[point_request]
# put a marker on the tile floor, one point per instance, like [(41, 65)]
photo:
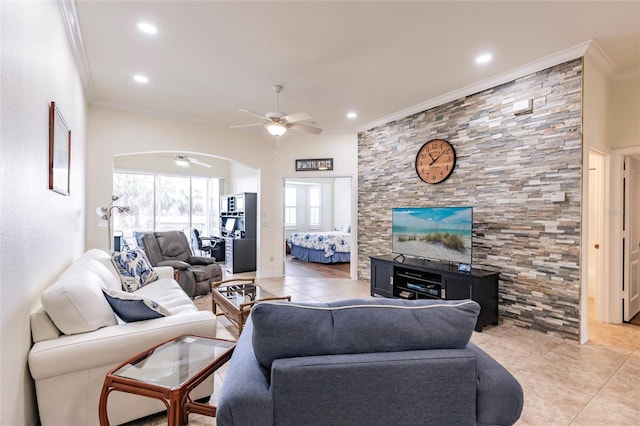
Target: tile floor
[(564, 383)]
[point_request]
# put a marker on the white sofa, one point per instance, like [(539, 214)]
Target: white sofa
[(78, 338)]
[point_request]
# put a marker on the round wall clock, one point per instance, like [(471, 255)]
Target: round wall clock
[(435, 161)]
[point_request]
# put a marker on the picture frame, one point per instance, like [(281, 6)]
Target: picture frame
[(59, 152), (314, 164)]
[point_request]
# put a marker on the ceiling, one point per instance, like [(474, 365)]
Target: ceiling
[(211, 58)]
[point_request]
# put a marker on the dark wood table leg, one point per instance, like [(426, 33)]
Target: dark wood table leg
[(103, 416)]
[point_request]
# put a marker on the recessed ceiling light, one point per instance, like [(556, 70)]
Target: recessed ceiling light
[(139, 78), (147, 28), (352, 115), (484, 58)]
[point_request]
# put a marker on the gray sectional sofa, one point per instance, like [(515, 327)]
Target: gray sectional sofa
[(365, 362)]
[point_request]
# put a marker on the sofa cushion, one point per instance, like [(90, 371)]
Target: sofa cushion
[(107, 274), (359, 326), (75, 302), (169, 294), (173, 245), (135, 269), (104, 259), (133, 307)]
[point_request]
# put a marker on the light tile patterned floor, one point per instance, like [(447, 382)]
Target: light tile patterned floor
[(564, 383)]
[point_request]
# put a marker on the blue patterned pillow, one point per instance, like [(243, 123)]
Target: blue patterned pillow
[(128, 282), (131, 307), (135, 269)]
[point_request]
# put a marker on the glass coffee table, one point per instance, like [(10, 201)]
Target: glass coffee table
[(168, 372), (236, 300)]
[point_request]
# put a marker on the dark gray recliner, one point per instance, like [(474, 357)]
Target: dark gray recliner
[(171, 248)]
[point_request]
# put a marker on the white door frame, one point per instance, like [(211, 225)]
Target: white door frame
[(600, 299), (598, 221), (613, 235), (353, 271), (631, 249)]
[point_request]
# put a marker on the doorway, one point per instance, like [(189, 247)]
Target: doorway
[(303, 214)]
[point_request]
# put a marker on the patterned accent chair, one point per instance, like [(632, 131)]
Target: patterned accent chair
[(171, 248)]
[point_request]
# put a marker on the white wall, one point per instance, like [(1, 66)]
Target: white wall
[(256, 168), (42, 231), (343, 148), (595, 120), (342, 202), (624, 108), (611, 109)]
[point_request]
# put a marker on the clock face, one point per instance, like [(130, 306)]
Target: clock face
[(435, 161)]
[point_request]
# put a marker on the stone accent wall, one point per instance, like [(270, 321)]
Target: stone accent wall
[(508, 167)]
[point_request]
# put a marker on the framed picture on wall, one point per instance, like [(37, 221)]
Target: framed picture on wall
[(59, 151)]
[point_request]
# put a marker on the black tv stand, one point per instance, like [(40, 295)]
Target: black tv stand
[(424, 279)]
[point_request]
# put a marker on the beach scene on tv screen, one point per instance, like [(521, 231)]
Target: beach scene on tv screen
[(442, 233)]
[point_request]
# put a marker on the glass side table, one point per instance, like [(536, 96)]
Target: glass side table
[(236, 300), (168, 372)]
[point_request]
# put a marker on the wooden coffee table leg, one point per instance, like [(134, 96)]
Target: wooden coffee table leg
[(174, 414), (102, 406)]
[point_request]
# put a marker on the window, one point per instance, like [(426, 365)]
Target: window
[(315, 202), (137, 192), (174, 203), (161, 202), (290, 209)]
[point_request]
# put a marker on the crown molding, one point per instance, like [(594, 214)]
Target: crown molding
[(70, 20), (566, 55), (596, 56)]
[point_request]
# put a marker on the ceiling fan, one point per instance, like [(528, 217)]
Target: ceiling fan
[(278, 122), (184, 162)]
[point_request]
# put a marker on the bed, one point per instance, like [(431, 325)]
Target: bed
[(321, 247)]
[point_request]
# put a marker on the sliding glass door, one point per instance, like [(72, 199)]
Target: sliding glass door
[(161, 202)]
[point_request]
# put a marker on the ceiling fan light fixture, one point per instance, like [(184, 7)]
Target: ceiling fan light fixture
[(276, 129), (147, 28), (181, 162)]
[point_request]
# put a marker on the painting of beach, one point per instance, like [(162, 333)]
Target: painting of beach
[(434, 233)]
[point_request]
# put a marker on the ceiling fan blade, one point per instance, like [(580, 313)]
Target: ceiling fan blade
[(305, 128), (198, 162), (299, 116), (255, 114), (247, 125)]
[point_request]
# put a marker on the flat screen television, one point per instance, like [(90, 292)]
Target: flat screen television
[(434, 233)]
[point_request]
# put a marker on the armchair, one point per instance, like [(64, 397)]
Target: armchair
[(171, 248)]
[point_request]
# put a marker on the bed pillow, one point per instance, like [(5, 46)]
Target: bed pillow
[(132, 307), (360, 326), (135, 269)]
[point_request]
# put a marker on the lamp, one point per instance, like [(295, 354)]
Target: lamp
[(105, 214), (276, 129)]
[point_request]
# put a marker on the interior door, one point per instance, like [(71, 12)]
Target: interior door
[(632, 238)]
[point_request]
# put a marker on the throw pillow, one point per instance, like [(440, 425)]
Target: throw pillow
[(135, 269), (132, 307), (359, 326), (127, 281)]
